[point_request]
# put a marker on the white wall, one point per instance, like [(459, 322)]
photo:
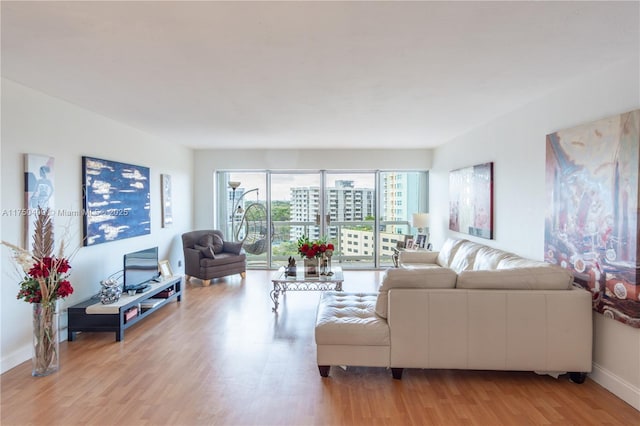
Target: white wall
[(35, 123), (207, 162), (515, 143)]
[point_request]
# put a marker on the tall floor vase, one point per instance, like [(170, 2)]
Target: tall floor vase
[(45, 358)]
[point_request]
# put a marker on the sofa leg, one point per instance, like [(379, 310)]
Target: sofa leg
[(187, 278), (397, 373), (205, 283), (243, 274), (577, 377), (324, 370)]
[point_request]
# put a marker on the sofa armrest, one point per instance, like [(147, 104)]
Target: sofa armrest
[(192, 261), (232, 247), (418, 256)]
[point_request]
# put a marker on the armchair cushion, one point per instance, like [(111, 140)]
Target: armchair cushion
[(207, 251)]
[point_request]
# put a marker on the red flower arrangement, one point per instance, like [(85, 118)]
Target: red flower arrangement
[(311, 249), (45, 274), (46, 281)]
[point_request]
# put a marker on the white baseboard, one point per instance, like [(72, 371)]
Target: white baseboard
[(15, 358), (614, 384), (23, 354)]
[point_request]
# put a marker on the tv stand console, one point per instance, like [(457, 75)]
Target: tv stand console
[(92, 315)]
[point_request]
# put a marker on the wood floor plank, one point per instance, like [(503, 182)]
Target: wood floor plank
[(221, 357)]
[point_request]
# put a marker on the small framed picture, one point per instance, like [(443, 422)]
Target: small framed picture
[(400, 244), (421, 240), (165, 269), (409, 244), (407, 237)]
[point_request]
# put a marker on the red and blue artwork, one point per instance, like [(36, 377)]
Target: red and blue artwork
[(591, 223), (116, 200)]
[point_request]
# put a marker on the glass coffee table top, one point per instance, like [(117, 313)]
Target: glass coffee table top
[(304, 282)]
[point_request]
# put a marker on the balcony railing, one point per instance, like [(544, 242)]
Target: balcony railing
[(284, 245)]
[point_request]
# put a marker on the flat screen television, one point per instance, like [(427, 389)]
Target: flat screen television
[(140, 267)]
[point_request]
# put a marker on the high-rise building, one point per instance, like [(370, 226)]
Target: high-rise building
[(345, 203)]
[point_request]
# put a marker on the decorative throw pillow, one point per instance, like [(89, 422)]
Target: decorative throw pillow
[(207, 251), (206, 240), (217, 244)]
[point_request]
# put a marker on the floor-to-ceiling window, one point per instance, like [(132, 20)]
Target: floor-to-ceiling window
[(363, 213)]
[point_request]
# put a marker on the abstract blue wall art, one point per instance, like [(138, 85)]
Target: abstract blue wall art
[(116, 200)]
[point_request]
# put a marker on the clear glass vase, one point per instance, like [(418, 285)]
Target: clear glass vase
[(45, 359), (311, 267)]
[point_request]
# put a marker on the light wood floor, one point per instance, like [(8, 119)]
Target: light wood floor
[(222, 357)]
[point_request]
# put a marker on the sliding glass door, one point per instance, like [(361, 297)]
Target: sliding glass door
[(363, 214), (349, 214), (246, 214), (295, 206)]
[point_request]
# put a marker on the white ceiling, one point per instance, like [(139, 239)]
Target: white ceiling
[(310, 74)]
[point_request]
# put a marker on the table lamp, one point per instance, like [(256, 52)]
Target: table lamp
[(421, 221)]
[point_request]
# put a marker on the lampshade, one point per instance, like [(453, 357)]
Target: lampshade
[(234, 184), (421, 220)]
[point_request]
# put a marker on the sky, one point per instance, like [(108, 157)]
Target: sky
[(281, 183)]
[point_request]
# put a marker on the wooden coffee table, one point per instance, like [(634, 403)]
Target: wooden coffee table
[(301, 282)]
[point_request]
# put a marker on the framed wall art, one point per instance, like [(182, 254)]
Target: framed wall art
[(471, 200), (116, 200), (167, 214), (39, 173), (591, 222)]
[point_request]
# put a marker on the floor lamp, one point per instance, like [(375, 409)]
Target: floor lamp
[(233, 185)]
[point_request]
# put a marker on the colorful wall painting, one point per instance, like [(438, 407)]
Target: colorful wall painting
[(591, 223)]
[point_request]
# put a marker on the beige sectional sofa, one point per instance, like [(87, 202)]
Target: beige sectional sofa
[(468, 306)]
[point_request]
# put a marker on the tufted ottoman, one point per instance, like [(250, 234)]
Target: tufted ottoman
[(348, 331)]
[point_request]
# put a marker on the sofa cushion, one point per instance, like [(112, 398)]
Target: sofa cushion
[(407, 278), (534, 278), (465, 256), (448, 251), (513, 261), (207, 251), (488, 258)]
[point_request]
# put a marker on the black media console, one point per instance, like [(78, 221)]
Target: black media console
[(92, 315)]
